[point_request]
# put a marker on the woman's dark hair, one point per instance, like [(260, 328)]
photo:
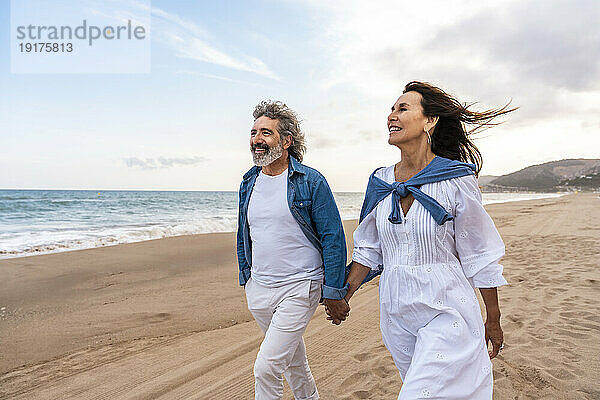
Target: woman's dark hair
[(450, 138)]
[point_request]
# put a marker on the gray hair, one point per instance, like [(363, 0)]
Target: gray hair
[(288, 124)]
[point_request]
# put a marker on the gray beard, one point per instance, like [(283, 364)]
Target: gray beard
[(269, 156)]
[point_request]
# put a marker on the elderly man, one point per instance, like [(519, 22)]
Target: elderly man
[(291, 250)]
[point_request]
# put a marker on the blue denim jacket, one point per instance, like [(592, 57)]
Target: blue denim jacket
[(313, 207)]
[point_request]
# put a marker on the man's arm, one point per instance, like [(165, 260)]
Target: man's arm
[(328, 224), (241, 254)]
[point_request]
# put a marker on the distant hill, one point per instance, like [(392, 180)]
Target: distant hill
[(582, 174), (485, 179)]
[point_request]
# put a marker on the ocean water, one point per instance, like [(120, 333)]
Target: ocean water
[(46, 221)]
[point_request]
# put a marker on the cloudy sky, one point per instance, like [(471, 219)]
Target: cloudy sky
[(340, 65)]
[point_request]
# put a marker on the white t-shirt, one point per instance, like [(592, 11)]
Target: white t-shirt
[(281, 253)]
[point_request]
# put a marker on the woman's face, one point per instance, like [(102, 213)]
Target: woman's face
[(406, 122)]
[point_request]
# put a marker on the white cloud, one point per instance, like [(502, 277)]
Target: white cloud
[(213, 76), (161, 162), (191, 41), (541, 54), (188, 39)]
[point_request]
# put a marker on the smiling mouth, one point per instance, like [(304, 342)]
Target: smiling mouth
[(259, 149), (394, 129)]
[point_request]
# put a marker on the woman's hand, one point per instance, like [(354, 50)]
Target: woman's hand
[(493, 333)]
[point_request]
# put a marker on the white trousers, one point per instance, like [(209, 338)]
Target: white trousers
[(283, 313), (433, 329)]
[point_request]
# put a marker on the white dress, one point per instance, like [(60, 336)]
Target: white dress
[(430, 317)]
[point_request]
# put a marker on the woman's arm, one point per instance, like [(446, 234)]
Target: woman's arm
[(357, 275), (368, 252), (480, 248), (493, 331)]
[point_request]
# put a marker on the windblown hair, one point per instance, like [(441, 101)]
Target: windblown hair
[(450, 138), (287, 125)]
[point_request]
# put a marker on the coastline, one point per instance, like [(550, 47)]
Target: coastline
[(166, 318), (23, 241)]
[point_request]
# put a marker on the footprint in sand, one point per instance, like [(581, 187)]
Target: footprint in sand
[(360, 394), (383, 372), (571, 333), (354, 379), (592, 392), (516, 321), (532, 376), (363, 356), (560, 374), (156, 317)]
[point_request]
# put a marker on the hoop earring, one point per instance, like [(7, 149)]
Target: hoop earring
[(428, 138)]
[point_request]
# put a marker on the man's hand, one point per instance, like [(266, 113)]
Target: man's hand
[(337, 310)]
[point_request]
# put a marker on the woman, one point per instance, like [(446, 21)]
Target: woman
[(432, 252)]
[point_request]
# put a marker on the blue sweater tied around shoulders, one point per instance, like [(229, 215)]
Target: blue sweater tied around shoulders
[(439, 169)]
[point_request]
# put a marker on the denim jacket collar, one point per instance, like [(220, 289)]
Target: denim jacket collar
[(293, 166)]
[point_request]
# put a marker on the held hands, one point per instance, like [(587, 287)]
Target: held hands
[(337, 310)]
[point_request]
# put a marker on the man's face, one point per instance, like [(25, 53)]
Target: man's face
[(265, 143)]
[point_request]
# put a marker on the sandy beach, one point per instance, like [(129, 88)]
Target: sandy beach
[(166, 319)]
